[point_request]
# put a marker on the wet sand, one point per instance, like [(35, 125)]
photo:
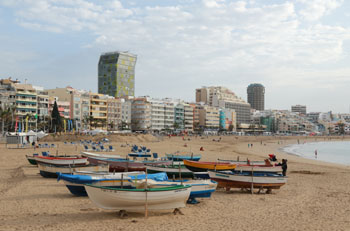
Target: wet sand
[(316, 197)]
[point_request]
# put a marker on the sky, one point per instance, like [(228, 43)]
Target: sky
[(298, 49)]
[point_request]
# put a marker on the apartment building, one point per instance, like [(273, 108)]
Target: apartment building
[(79, 104), (206, 117), (63, 107), (141, 110), (188, 117), (42, 103), (7, 93), (222, 97), (98, 110), (227, 119), (114, 113), (26, 103)]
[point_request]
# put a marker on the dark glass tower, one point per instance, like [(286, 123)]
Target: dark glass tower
[(256, 96)]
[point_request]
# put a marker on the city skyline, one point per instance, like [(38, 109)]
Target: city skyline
[(298, 50)]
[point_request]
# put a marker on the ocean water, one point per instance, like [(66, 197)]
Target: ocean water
[(334, 152)]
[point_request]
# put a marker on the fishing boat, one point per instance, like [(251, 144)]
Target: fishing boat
[(199, 188), (200, 166), (75, 183), (50, 171), (180, 157), (126, 165), (229, 179), (90, 154), (69, 160), (242, 161), (171, 170), (134, 200), (258, 166), (31, 159)]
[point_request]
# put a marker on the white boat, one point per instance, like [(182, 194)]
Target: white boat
[(247, 180), (199, 188), (69, 160), (89, 154), (258, 168), (134, 200), (50, 171)]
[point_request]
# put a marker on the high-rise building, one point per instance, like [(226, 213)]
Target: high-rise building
[(116, 74), (256, 96)]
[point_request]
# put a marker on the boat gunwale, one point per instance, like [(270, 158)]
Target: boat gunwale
[(177, 187)]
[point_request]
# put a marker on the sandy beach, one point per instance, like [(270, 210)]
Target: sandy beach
[(316, 197)]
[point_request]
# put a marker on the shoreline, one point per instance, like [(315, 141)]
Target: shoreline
[(313, 192)]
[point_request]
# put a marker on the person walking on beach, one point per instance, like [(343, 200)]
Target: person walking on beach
[(316, 154), (284, 167)]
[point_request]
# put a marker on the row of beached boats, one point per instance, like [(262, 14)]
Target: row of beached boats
[(130, 184)]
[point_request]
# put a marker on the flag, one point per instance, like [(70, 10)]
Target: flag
[(16, 125), (27, 123), (64, 125)]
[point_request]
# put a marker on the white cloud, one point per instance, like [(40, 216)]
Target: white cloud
[(204, 42), (315, 9)]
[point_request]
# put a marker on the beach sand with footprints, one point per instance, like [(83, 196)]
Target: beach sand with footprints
[(316, 196)]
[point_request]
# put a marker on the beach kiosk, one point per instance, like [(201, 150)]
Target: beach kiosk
[(21, 140)]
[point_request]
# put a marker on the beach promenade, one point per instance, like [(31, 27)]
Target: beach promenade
[(316, 196)]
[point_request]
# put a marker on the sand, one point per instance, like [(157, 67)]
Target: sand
[(316, 197)]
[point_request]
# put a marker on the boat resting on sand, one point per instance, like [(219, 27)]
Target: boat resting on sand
[(200, 166), (134, 200), (229, 179), (75, 183), (68, 160), (50, 171), (199, 188), (90, 154), (179, 157), (170, 170)]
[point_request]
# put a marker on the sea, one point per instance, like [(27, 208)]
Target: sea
[(334, 152)]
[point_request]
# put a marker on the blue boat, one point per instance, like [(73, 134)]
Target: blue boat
[(178, 157), (75, 183)]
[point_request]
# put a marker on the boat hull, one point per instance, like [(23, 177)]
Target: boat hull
[(171, 172), (50, 171), (244, 181), (31, 160), (197, 166), (125, 165), (183, 157), (79, 189), (61, 160), (134, 200)]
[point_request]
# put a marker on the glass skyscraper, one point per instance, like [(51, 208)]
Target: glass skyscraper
[(116, 74)]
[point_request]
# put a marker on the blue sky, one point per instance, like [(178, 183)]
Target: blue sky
[(298, 49)]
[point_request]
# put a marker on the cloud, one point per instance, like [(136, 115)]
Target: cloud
[(186, 44), (315, 9)]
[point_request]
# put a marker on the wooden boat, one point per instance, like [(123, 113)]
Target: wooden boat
[(179, 157), (200, 166), (50, 171), (171, 170), (256, 166), (134, 200), (243, 161), (230, 179), (90, 154), (31, 159), (73, 160), (75, 183), (125, 165), (199, 188)]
